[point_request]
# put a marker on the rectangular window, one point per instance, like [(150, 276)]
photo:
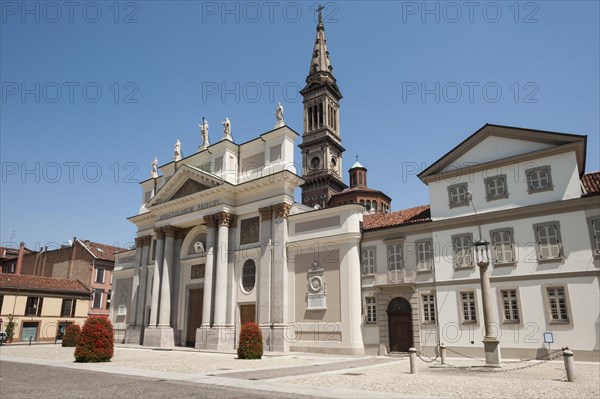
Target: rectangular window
[(34, 306), (510, 306), (463, 250), (428, 302), (496, 187), (250, 230), (100, 275), (97, 302), (371, 309), (557, 304), (153, 257), (368, 260), (539, 179), (468, 307), (594, 225), (68, 308), (395, 257), (502, 246), (457, 195), (424, 255), (548, 239)]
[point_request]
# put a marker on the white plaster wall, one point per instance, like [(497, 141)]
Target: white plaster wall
[(565, 179)]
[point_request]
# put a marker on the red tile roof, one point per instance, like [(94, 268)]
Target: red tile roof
[(591, 183), (34, 283), (102, 251), (414, 215)]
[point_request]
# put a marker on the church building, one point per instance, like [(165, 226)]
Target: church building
[(221, 242)]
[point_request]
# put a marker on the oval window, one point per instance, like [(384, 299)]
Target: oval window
[(248, 275)]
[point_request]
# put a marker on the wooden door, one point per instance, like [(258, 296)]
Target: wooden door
[(194, 315), (401, 335), (247, 314)]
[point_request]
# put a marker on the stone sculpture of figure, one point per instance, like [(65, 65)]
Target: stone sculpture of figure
[(154, 173), (279, 112), (226, 129), (204, 130), (177, 151)]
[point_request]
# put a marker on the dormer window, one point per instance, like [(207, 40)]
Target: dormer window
[(539, 179), (457, 195)]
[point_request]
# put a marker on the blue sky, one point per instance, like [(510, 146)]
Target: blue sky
[(92, 91)]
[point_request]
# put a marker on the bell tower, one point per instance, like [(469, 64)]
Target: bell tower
[(321, 142)]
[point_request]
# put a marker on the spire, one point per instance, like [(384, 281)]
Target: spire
[(321, 71)]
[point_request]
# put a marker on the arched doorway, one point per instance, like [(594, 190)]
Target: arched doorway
[(400, 325)]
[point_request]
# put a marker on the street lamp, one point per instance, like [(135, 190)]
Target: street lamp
[(491, 344)]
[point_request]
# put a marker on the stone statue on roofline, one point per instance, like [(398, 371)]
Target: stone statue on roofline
[(204, 130), (177, 151), (154, 173), (226, 130), (279, 116)]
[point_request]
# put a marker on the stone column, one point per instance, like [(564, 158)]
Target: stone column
[(232, 278), (211, 223), (164, 314), (491, 344), (158, 261), (143, 243), (224, 219), (176, 279), (263, 313), (279, 278), (354, 299)]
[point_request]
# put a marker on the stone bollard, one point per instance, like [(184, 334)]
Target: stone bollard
[(569, 364), (443, 353), (413, 360)]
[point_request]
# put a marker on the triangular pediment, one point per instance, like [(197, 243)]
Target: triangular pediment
[(494, 143), (186, 181)]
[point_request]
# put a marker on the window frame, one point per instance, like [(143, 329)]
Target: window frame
[(72, 308), (373, 267), (538, 250), (370, 310), (95, 294), (549, 187), (594, 238), (427, 269), (487, 180), (39, 303), (243, 276), (499, 295), (389, 260), (562, 322), (511, 231), (98, 274), (457, 204), (471, 250), (431, 303), (461, 306)]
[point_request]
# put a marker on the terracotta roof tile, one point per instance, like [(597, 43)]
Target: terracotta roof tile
[(102, 251), (418, 214), (35, 283), (591, 183)]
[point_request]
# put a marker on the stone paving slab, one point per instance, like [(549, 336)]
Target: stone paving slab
[(295, 371)]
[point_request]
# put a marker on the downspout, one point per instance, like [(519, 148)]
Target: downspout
[(437, 319)]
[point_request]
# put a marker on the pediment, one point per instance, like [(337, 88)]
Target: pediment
[(494, 143), (186, 181)]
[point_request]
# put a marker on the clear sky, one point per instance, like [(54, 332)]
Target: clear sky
[(92, 91)]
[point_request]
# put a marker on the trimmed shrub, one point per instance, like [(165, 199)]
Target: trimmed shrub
[(96, 343), (251, 342), (72, 335)]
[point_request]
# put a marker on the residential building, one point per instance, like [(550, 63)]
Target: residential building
[(41, 307)]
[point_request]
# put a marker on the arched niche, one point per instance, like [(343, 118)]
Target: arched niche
[(188, 247)]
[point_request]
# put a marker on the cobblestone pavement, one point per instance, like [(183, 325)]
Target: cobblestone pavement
[(332, 376)]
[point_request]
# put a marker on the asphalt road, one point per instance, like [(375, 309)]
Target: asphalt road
[(19, 380)]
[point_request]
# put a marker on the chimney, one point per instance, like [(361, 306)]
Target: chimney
[(20, 258)]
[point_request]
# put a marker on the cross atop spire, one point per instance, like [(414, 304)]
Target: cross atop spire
[(320, 11)]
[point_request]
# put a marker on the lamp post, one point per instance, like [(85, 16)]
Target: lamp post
[(491, 344)]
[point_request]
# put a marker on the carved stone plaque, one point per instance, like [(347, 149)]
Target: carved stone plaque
[(197, 272), (316, 291), (249, 230)]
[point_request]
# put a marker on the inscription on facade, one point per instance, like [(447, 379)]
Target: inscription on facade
[(189, 209), (197, 272), (249, 230)]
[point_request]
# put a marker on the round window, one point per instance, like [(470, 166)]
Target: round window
[(248, 275), (315, 162)]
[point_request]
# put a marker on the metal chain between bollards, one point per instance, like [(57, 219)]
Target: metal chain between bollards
[(431, 360), (493, 370)]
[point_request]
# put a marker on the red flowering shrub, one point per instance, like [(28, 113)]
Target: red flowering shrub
[(72, 334), (251, 342), (96, 343)]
